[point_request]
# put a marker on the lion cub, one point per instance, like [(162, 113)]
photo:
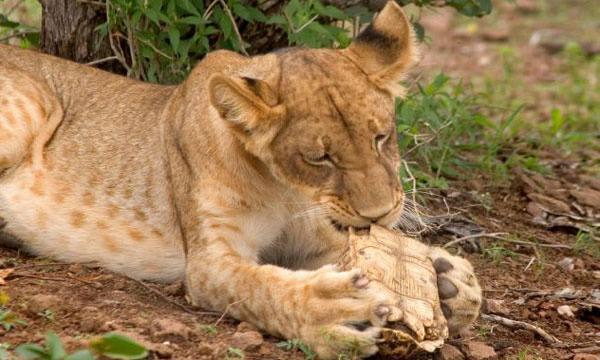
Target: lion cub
[(243, 180)]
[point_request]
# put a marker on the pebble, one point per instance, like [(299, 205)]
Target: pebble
[(476, 350), (448, 352), (247, 341), (495, 306), (583, 356), (39, 303), (567, 264), (565, 311), (170, 330)]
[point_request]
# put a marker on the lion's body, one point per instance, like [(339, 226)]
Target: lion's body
[(233, 180)]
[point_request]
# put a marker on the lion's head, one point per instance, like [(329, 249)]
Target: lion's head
[(322, 120)]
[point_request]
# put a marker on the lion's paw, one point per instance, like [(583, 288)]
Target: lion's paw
[(458, 288), (343, 314)]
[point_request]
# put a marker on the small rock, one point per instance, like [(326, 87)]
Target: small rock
[(39, 303), (246, 326), (495, 306), (567, 264), (448, 352), (206, 349), (565, 311), (90, 324), (170, 330), (247, 341), (584, 356), (108, 326), (476, 350)]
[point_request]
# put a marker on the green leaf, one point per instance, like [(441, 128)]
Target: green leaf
[(117, 346), (80, 355), (248, 13), (31, 352), (224, 22), (54, 346), (188, 6), (330, 11), (4, 22), (192, 20), (419, 30), (174, 37), (234, 352)]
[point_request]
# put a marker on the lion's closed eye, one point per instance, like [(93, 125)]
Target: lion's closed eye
[(323, 159)]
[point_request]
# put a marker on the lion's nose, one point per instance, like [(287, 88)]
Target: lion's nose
[(376, 213)]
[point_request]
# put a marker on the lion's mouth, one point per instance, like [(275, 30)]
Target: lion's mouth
[(346, 228)]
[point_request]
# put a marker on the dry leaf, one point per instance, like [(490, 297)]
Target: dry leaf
[(4, 273)]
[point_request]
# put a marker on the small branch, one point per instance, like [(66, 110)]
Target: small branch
[(15, 275), (235, 27), (227, 310), (103, 60), (498, 236), (116, 51), (515, 324), (473, 236), (174, 303), (17, 34), (92, 2), (414, 194), (306, 24)]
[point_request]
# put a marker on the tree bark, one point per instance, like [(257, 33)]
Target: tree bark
[(68, 31)]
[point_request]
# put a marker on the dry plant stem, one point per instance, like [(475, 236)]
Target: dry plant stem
[(174, 303), (118, 53), (226, 311), (14, 275), (516, 324), (91, 2), (499, 236), (414, 193), (103, 60), (235, 28)]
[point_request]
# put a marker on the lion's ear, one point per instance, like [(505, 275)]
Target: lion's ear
[(386, 48), (249, 105)]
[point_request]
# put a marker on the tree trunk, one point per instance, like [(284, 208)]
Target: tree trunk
[(68, 31)]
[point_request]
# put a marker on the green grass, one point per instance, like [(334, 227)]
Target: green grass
[(452, 129)]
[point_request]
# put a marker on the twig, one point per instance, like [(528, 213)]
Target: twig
[(516, 324), (498, 236), (17, 34), (575, 345), (473, 236), (174, 303), (100, 61), (414, 195), (529, 263), (209, 8), (310, 21), (117, 52), (235, 28), (92, 2), (50, 278), (28, 266), (227, 310)]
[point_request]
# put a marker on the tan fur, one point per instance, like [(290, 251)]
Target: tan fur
[(218, 180)]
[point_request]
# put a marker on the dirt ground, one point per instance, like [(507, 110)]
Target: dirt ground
[(520, 281)]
